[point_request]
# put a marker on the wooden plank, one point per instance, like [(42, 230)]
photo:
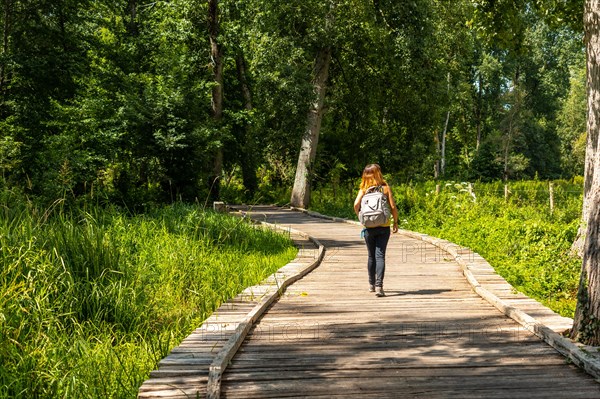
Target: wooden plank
[(433, 335), (224, 356), (335, 304), (401, 385)]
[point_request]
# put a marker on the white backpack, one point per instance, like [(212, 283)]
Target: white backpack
[(374, 208)]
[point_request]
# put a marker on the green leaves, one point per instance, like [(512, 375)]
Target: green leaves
[(91, 88), (525, 243)]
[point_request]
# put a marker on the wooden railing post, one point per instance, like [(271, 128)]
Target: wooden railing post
[(219, 206), (472, 192), (551, 189)]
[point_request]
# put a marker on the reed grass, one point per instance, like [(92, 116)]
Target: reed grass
[(92, 298)]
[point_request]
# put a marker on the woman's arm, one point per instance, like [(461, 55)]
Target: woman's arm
[(357, 201), (388, 192)]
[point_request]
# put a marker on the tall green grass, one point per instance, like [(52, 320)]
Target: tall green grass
[(92, 299), (521, 238)]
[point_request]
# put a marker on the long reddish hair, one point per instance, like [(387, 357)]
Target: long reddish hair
[(372, 176)]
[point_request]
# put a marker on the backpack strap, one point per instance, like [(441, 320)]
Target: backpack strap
[(373, 189)]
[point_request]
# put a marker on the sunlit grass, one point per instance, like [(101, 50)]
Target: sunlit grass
[(522, 238), (92, 299)]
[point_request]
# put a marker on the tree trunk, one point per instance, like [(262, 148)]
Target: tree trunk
[(438, 150), (507, 142), (240, 63), (6, 28), (591, 151), (586, 324), (479, 112), (308, 150), (216, 54), (443, 149), (513, 115), (578, 244), (444, 133), (132, 25), (248, 161)]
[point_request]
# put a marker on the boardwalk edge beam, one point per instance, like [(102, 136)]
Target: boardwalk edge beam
[(221, 361)]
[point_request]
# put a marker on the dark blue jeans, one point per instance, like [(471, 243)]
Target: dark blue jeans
[(377, 239)]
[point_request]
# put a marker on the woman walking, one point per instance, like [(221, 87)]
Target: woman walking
[(376, 237)]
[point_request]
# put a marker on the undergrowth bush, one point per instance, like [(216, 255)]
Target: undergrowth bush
[(92, 299), (520, 237)]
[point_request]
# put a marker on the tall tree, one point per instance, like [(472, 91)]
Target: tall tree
[(586, 325), (216, 56), (7, 14), (308, 148), (248, 148)]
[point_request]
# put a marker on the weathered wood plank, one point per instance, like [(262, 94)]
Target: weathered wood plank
[(433, 336), (346, 341)]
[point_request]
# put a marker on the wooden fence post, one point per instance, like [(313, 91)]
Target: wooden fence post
[(219, 206), (472, 192), (506, 192), (551, 189)]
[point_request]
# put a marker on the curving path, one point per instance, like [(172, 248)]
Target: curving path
[(430, 337)]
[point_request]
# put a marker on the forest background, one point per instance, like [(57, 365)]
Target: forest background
[(115, 100), (110, 110)]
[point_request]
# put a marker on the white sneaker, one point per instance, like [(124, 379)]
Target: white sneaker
[(371, 288), (379, 291)]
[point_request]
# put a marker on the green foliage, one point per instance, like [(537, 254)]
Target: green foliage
[(93, 298), (521, 238), (113, 99), (571, 124)]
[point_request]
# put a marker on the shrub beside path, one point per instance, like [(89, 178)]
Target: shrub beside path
[(432, 336)]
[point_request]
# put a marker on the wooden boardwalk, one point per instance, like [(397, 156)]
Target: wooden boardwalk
[(432, 336)]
